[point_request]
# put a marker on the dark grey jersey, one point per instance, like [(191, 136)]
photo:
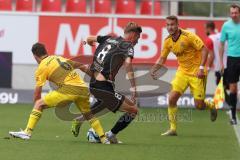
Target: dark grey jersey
[(110, 55)]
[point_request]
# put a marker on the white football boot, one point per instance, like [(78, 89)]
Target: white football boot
[(21, 134), (112, 138)]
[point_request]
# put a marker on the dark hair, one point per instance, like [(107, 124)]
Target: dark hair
[(174, 18), (39, 49), (132, 27), (210, 24), (235, 6)]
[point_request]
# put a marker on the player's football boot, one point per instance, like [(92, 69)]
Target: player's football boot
[(213, 110), (76, 125), (112, 138), (213, 113), (105, 140), (21, 134), (169, 133), (233, 122)]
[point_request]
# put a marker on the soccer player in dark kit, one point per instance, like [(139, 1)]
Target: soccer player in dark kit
[(110, 55)]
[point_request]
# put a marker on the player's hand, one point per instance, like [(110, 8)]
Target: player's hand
[(90, 42), (200, 74), (153, 71), (222, 68)]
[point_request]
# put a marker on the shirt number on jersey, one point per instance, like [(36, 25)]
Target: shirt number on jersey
[(118, 96), (103, 53)]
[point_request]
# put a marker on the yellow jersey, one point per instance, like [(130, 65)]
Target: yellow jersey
[(187, 49), (59, 71)]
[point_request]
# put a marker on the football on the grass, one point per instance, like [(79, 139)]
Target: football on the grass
[(92, 136)]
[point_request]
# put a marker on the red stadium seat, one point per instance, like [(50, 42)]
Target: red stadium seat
[(78, 6), (103, 6), (126, 7), (24, 5), (146, 7), (5, 5), (51, 6)]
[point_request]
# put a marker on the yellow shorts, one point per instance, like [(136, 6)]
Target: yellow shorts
[(197, 86), (64, 96)]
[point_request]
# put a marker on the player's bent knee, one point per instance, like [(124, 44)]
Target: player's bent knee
[(133, 110), (39, 105)]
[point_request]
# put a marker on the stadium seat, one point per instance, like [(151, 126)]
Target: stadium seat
[(78, 6), (24, 5), (103, 6), (51, 6), (5, 5), (126, 7), (146, 7)]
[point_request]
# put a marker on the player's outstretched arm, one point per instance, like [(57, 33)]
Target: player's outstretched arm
[(82, 67), (200, 73), (157, 66), (131, 77)]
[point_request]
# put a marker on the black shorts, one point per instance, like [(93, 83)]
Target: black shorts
[(233, 69), (106, 97)]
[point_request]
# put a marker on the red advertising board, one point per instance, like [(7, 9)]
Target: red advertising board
[(63, 35)]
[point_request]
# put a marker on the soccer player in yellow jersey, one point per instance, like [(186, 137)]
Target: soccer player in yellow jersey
[(191, 56), (70, 89)]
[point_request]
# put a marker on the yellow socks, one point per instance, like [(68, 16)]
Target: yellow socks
[(209, 104), (96, 125), (32, 121), (172, 116)]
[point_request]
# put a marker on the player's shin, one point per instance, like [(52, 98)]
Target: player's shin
[(32, 121), (123, 122), (172, 117)]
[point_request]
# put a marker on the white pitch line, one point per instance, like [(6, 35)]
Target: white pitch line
[(236, 127)]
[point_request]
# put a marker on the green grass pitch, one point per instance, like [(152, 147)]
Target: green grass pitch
[(198, 139)]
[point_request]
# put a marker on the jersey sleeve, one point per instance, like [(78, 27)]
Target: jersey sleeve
[(101, 39), (130, 52), (209, 44), (71, 62), (165, 51), (40, 77), (196, 42), (223, 37)]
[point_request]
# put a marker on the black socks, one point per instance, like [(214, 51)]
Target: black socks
[(233, 104), (122, 122)]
